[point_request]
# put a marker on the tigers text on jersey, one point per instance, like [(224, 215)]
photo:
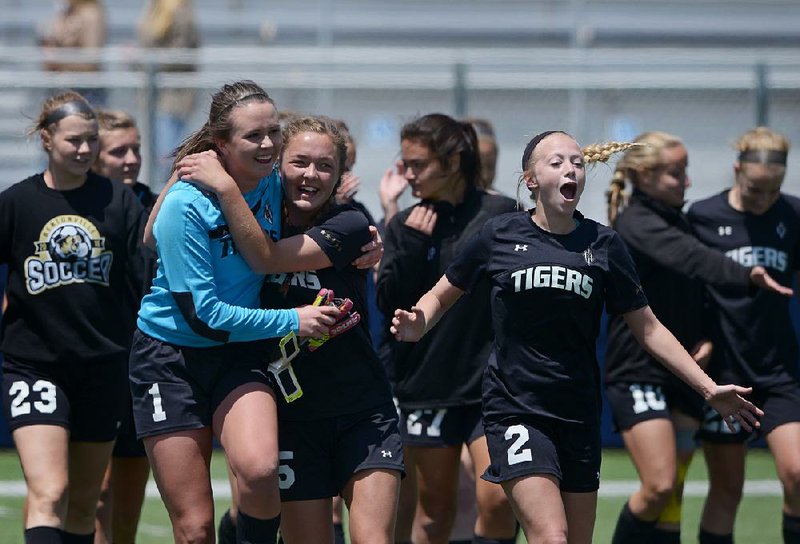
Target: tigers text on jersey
[(204, 293), (755, 338), (344, 375), (547, 295), (412, 263), (70, 254)]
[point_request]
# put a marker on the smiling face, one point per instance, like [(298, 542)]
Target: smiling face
[(254, 143), (668, 182), (557, 175), (120, 157), (72, 145), (310, 171)]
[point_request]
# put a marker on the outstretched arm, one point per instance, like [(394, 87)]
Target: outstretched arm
[(411, 326), (725, 399)]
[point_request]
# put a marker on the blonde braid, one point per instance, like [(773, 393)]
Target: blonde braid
[(616, 196), (593, 153)]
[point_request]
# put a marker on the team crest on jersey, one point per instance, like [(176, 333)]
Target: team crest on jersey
[(70, 250), (781, 230), (587, 256)]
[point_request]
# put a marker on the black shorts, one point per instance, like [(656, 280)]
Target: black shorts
[(88, 398), (319, 457), (781, 404), (534, 445), (440, 427), (176, 388), (633, 403)]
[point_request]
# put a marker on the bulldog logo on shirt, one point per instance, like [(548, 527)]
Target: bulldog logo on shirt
[(70, 250)]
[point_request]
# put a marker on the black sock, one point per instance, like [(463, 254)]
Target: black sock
[(250, 530), (484, 540), (710, 538), (43, 535), (226, 532), (632, 530), (791, 529), (662, 536), (338, 533), (72, 538)]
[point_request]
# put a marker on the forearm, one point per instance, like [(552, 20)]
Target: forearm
[(663, 345), (435, 303), (255, 246)]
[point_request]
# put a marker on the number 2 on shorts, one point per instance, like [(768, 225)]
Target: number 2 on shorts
[(515, 452)]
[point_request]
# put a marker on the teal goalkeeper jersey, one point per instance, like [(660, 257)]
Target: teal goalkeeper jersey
[(204, 293)]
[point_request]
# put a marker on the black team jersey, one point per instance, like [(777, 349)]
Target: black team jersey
[(344, 375), (672, 266), (754, 338), (443, 369), (70, 255), (547, 295)]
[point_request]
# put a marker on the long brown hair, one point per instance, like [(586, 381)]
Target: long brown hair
[(218, 126)]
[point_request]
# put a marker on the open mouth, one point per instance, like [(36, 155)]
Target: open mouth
[(569, 190), (307, 192), (264, 159)]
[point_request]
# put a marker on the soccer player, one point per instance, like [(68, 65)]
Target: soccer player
[(754, 224), (551, 272), (656, 413), (440, 410), (72, 241)]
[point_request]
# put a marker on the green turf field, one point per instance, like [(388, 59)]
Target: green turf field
[(759, 518)]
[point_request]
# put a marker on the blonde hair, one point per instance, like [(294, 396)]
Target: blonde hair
[(762, 139), (643, 156), (159, 18), (109, 120)]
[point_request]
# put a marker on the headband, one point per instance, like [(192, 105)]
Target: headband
[(75, 107), (763, 156), (526, 155)]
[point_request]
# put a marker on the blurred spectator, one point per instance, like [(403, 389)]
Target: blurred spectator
[(487, 147), (170, 24), (80, 24)]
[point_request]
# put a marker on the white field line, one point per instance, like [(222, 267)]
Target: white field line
[(611, 488)]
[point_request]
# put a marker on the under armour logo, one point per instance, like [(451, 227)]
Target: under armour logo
[(521, 247), (781, 230), (587, 256), (386, 453), (725, 231)]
